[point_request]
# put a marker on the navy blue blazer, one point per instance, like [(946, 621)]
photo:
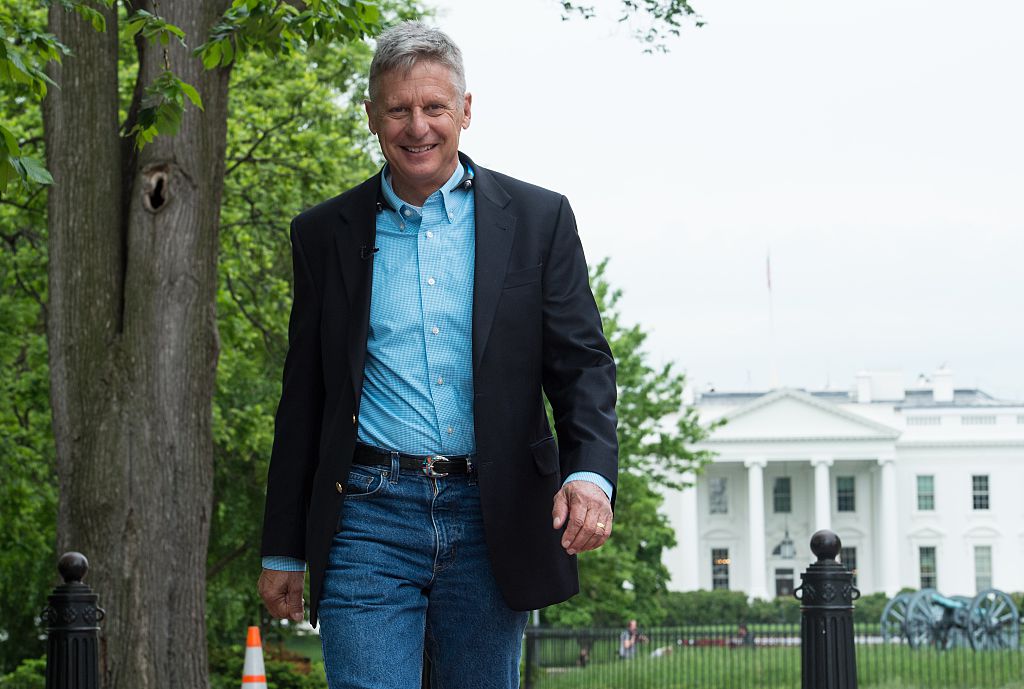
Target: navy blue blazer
[(535, 328)]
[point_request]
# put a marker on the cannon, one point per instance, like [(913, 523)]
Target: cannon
[(924, 618)]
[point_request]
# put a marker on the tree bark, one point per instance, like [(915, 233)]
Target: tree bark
[(133, 344)]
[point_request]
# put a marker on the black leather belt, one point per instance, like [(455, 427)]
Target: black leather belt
[(434, 466)]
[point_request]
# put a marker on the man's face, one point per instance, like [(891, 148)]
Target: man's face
[(418, 117), (632, 625)]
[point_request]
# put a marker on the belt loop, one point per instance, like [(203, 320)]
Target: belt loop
[(396, 467)]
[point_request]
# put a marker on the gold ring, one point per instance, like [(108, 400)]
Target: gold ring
[(600, 526)]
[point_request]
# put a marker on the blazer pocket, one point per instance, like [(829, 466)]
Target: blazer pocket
[(545, 456), (517, 278)]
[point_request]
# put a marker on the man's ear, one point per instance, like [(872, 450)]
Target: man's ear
[(368, 105), (467, 109)]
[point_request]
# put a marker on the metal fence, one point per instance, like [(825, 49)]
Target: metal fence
[(765, 657)]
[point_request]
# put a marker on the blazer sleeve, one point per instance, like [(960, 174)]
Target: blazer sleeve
[(295, 454), (578, 368)]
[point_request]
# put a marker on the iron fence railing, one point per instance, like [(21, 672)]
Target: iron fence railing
[(765, 657)]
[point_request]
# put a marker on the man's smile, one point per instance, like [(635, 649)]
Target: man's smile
[(419, 149)]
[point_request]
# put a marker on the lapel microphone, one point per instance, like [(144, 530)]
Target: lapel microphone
[(366, 252)]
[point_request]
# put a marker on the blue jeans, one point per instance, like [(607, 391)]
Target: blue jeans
[(407, 565)]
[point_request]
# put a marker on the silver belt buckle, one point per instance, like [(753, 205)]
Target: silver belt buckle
[(428, 466)]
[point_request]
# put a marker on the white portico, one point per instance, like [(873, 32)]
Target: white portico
[(890, 472)]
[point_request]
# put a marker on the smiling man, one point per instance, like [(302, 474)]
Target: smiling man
[(414, 471)]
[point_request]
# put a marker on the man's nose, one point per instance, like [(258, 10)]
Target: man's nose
[(417, 124)]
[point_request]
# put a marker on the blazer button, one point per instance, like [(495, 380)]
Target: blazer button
[(340, 488), (354, 420)]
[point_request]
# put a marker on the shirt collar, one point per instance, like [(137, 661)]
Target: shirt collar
[(457, 180)]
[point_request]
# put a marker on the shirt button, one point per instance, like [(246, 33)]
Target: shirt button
[(402, 226), (435, 330), (451, 216), (451, 430), (430, 281), (440, 380), (338, 487), (430, 235), (407, 212)]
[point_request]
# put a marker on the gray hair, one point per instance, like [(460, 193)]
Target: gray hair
[(402, 46)]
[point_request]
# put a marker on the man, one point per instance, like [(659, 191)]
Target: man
[(629, 639), (413, 467)]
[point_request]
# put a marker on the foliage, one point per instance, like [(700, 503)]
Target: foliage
[(283, 670), (705, 607), (625, 578), (31, 674), (868, 609), (28, 490), (661, 18)]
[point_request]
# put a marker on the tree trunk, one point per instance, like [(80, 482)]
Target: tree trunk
[(133, 344)]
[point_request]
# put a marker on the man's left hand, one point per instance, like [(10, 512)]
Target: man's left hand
[(585, 511)]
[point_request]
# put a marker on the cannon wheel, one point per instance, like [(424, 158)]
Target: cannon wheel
[(922, 619), (894, 617), (993, 621)]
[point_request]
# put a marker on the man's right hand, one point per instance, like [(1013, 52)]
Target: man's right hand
[(282, 593)]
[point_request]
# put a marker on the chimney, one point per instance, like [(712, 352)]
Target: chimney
[(863, 387), (942, 385)]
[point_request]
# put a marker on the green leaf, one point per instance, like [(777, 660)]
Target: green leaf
[(10, 142), (35, 170), (134, 27), (192, 93)]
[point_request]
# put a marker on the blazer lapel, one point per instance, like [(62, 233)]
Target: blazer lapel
[(355, 240), (495, 232)]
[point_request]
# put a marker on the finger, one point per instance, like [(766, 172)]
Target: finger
[(560, 510), (587, 531), (575, 524), (602, 530), (294, 603)]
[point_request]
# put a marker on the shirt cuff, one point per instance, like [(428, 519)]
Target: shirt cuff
[(283, 563), (597, 479)]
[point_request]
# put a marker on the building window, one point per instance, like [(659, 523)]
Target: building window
[(782, 495), (784, 582), (926, 555), (720, 568), (848, 558), (982, 567), (926, 493), (718, 496), (978, 420), (979, 491), (846, 495), (924, 420)]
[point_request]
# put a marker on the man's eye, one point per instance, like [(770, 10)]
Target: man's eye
[(396, 111), (436, 107)]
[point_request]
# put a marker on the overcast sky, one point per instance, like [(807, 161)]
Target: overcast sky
[(875, 148)]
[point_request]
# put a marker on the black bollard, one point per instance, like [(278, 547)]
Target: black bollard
[(72, 629), (828, 654)]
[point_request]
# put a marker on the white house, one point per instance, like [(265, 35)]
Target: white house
[(923, 484)]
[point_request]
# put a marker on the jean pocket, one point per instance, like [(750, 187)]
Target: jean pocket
[(365, 482)]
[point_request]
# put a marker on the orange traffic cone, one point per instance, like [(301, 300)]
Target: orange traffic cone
[(253, 675)]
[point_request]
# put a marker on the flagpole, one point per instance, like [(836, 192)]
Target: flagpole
[(771, 321)]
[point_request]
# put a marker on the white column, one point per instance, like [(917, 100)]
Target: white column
[(822, 493), (755, 528), (689, 535), (889, 565)]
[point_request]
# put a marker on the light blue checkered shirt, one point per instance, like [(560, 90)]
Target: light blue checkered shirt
[(418, 378)]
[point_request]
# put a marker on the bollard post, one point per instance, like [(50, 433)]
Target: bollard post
[(72, 628), (827, 652)]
